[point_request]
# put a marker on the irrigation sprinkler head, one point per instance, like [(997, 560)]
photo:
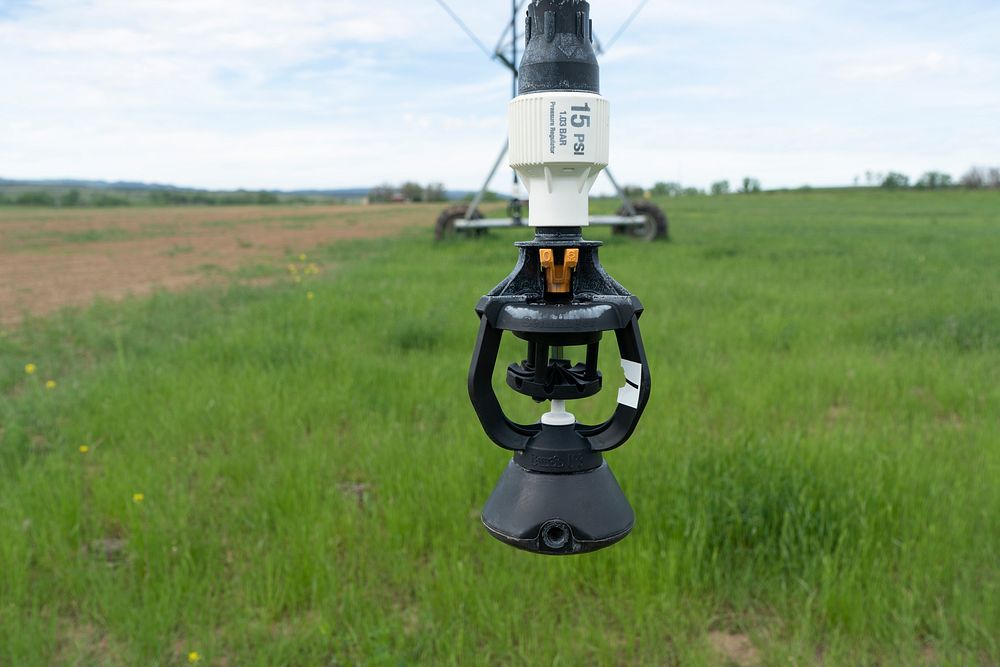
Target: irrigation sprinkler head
[(558, 495)]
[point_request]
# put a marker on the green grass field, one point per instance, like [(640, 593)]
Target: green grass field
[(818, 471)]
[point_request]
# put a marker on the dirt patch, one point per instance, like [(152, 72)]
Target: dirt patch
[(735, 648), (54, 258), (84, 643)]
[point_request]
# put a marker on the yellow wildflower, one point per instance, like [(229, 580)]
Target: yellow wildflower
[(30, 369), (84, 449), (138, 498), (51, 384), (310, 296), (292, 268), (193, 657), (303, 257)]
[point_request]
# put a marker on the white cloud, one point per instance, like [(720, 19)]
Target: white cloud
[(886, 66), (255, 93), (727, 13)]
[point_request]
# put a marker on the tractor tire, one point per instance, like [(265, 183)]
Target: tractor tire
[(445, 227), (656, 227)]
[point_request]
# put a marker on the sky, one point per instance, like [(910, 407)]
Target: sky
[(347, 93)]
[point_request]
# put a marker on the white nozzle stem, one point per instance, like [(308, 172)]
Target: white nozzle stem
[(558, 416)]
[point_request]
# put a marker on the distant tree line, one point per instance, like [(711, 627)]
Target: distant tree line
[(981, 177), (73, 198), (240, 197), (976, 178), (748, 186), (407, 192), (100, 199)]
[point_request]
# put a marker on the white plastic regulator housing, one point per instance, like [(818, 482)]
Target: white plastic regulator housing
[(559, 145)]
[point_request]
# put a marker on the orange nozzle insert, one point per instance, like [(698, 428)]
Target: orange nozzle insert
[(558, 278)]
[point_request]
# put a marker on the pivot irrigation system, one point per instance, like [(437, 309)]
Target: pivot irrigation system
[(641, 219), (557, 495)]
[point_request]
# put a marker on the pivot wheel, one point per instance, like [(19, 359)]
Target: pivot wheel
[(445, 227), (656, 225)]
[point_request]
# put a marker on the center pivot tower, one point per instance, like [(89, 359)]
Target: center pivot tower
[(557, 494)]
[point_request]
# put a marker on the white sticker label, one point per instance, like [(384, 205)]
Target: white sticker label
[(629, 394)]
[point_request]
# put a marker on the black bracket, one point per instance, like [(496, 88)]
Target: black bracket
[(516, 437)]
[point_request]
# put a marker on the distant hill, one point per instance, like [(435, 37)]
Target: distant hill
[(134, 187), (89, 185)]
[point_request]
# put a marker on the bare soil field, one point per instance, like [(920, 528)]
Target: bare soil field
[(51, 258)]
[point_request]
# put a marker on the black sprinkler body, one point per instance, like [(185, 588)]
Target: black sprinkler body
[(559, 48), (557, 495)]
